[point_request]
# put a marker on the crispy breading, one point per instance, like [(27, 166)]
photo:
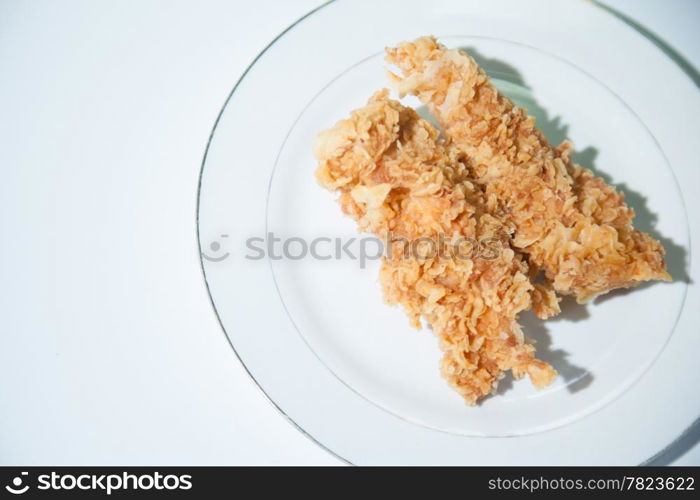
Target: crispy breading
[(399, 180), (569, 223)]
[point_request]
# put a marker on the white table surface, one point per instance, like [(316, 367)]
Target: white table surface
[(110, 352)]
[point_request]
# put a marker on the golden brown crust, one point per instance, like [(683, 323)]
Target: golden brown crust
[(396, 176), (545, 302), (569, 223)]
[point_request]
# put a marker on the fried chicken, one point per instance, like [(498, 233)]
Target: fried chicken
[(399, 180), (569, 223)]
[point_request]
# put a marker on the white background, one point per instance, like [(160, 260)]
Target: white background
[(110, 352)]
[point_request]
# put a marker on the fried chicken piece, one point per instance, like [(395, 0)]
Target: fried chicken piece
[(570, 224), (397, 179)]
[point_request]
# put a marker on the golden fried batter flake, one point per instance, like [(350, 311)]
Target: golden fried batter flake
[(568, 222), (398, 179)]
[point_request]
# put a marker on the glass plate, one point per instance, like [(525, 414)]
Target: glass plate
[(313, 331)]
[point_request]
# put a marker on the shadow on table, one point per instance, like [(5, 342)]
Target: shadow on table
[(684, 64)]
